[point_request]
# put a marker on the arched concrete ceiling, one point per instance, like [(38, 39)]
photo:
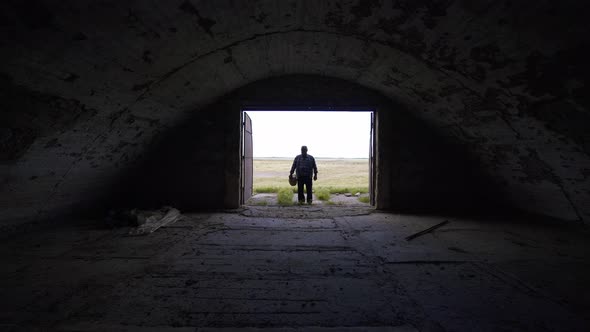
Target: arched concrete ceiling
[(506, 78)]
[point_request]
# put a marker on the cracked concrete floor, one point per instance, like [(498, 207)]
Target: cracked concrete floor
[(299, 269)]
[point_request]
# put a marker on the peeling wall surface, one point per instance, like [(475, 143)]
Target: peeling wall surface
[(90, 88)]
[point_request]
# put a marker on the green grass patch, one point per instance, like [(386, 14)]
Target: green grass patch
[(323, 194), (266, 190), (352, 190), (285, 196), (364, 199)]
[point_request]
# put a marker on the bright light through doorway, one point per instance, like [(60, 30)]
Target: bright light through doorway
[(327, 134)]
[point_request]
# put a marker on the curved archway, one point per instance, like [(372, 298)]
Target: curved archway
[(132, 71), (417, 167)]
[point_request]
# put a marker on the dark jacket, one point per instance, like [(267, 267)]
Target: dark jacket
[(304, 166)]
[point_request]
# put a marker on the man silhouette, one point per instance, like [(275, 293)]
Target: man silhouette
[(304, 164)]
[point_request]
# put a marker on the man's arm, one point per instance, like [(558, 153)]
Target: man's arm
[(293, 166)]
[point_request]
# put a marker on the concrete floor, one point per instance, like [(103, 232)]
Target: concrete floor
[(335, 199), (299, 269)]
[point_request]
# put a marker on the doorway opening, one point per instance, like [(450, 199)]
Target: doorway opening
[(342, 142)]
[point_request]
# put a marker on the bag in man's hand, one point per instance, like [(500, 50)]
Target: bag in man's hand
[(292, 180)]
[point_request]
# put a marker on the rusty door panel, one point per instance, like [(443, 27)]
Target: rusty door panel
[(372, 160), (247, 159)]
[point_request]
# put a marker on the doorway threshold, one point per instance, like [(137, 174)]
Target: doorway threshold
[(305, 211)]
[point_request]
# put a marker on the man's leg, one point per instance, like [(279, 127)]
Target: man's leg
[(300, 196), (308, 186)]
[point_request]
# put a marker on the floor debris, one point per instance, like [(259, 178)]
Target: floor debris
[(426, 231), (328, 272), (149, 221)]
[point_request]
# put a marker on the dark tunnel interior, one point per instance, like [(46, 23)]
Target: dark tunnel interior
[(121, 199)]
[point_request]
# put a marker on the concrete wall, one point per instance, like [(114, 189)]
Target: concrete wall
[(188, 166), (421, 170), (508, 81)]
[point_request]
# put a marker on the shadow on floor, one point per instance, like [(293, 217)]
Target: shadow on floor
[(298, 268)]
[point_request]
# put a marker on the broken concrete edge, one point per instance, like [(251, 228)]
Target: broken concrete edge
[(306, 211)]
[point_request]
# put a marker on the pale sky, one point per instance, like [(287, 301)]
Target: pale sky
[(326, 134)]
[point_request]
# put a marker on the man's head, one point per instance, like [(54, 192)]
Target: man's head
[(304, 150)]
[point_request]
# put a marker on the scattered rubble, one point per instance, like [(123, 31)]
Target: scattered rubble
[(143, 221)]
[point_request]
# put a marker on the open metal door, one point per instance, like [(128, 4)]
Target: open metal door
[(372, 160), (247, 160)]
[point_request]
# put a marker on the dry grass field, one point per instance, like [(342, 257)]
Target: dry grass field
[(336, 175)]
